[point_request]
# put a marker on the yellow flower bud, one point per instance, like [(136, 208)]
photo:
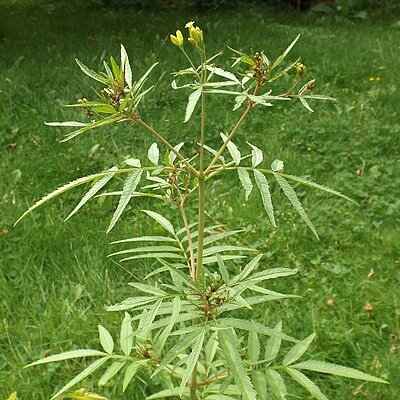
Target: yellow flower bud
[(192, 42), (195, 33), (300, 69), (178, 39)]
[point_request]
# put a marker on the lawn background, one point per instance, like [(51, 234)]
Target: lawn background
[(55, 277)]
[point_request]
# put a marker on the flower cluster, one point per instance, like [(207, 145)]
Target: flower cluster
[(195, 36)]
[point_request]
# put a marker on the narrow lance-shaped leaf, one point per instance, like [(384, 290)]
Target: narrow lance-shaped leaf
[(256, 155), (89, 72), (153, 154), (192, 360), (126, 67), (260, 384), (161, 220), (292, 197), (130, 185), (273, 344), (223, 73), (126, 336), (67, 123), (228, 342), (192, 101), (131, 372), (92, 192), (111, 371), (285, 53), (68, 355), (298, 350), (141, 81), (85, 373), (338, 370), (63, 189), (106, 339), (306, 383), (232, 148), (263, 185), (245, 180), (172, 156), (304, 102), (276, 384), (253, 345)]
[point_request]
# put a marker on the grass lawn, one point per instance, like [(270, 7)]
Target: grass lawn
[(55, 277)]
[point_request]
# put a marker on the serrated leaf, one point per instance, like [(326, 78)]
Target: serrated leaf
[(222, 269), (106, 339), (68, 355), (85, 373), (306, 383), (253, 346), (146, 249), (154, 154), (89, 72), (277, 166), (130, 372), (273, 344), (263, 186), (211, 348), (174, 392), (256, 327), (276, 384), (245, 180), (129, 187), (63, 189), (298, 350), (133, 162), (104, 121), (146, 321), (126, 336), (126, 67), (192, 360), (256, 155), (338, 370), (220, 249), (260, 384), (228, 343), (93, 190), (232, 148), (111, 371), (248, 269), (285, 53), (192, 101), (292, 197), (161, 220), (272, 273)]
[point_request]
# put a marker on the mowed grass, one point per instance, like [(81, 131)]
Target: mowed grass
[(56, 277)]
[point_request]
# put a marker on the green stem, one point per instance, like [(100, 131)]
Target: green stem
[(168, 145)]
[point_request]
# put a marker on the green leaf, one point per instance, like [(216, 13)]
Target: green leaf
[(85, 373), (211, 349), (146, 239), (292, 197), (298, 350), (92, 74), (256, 155), (256, 327), (104, 121), (131, 303), (248, 269), (180, 347), (154, 255), (111, 371), (245, 180), (67, 123), (130, 372), (63, 189), (306, 383), (106, 339), (229, 346), (273, 344), (126, 336), (147, 320), (260, 384), (126, 67), (192, 360), (161, 220), (232, 148), (218, 236), (263, 185), (174, 392), (338, 370), (153, 154), (193, 99), (172, 156), (220, 249), (223, 73), (130, 186), (285, 53), (148, 288), (276, 384), (146, 249), (304, 102), (253, 346), (141, 81), (222, 269), (272, 273), (94, 189), (317, 186), (277, 166), (68, 355)]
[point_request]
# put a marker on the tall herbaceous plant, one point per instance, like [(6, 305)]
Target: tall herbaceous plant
[(195, 335)]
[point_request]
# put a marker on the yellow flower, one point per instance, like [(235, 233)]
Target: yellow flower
[(178, 39), (195, 33), (301, 69)]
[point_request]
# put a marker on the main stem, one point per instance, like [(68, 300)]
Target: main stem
[(202, 204)]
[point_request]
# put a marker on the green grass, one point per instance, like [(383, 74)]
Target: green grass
[(55, 277)]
